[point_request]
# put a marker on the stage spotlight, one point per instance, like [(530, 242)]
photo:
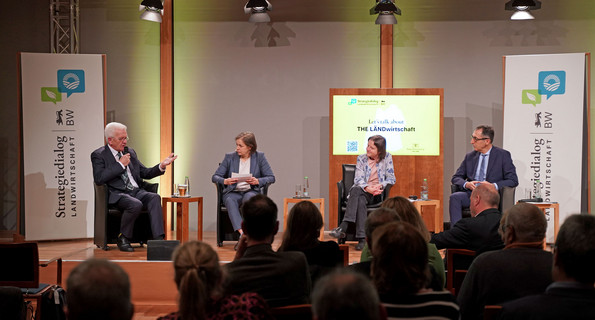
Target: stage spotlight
[(152, 10), (522, 8), (258, 10), (386, 10)]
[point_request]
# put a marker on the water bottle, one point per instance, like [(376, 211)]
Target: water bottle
[(306, 193), (537, 193), (424, 190), (187, 183)]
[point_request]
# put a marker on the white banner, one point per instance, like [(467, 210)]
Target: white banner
[(543, 127), (62, 123)]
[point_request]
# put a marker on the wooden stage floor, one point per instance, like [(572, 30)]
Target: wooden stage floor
[(153, 290)]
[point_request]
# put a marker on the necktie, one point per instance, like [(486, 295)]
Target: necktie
[(482, 171), (125, 178)]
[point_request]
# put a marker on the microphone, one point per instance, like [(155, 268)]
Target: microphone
[(125, 150)]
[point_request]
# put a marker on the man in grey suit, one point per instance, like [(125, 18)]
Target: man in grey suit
[(486, 164), (281, 278), (118, 167)]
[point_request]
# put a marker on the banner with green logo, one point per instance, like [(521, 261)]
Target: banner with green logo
[(62, 109), (545, 129)]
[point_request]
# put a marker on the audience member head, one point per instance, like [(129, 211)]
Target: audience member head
[(303, 227), (574, 252), (484, 196), (380, 143), (523, 223), (408, 213), (344, 295), (248, 139), (377, 218), (260, 218), (198, 277), (400, 263), (98, 289)]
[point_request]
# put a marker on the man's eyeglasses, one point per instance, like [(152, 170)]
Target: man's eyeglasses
[(122, 139), (474, 138)]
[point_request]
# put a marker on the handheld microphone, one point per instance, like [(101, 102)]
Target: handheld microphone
[(125, 150)]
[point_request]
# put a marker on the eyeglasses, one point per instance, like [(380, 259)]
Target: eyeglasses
[(474, 138), (122, 138)]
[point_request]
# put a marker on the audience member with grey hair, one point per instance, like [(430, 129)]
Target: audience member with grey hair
[(572, 295), (98, 289), (521, 269), (345, 295)]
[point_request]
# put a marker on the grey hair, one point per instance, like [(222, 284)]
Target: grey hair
[(112, 127)]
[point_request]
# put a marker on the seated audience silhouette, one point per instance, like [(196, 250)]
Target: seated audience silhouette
[(400, 272), (281, 278), (303, 229), (408, 213), (376, 218), (198, 277), (572, 295), (346, 295), (479, 233), (521, 269), (98, 289)]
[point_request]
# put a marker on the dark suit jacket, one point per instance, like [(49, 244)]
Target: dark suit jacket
[(504, 275), (500, 169), (565, 300), (106, 170), (281, 278), (259, 168), (479, 233)]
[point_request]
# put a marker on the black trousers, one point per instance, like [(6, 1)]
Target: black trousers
[(357, 209), (131, 205)]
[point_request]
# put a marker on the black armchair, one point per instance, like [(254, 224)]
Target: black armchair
[(506, 198), (343, 188), (225, 230), (108, 217)]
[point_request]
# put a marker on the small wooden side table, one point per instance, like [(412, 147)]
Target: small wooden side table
[(431, 214), (319, 201), (182, 208), (556, 207)]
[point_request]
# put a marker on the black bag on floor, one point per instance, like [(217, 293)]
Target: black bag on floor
[(52, 303)]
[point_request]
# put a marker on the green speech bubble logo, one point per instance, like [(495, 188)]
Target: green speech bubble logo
[(51, 94), (531, 96)]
